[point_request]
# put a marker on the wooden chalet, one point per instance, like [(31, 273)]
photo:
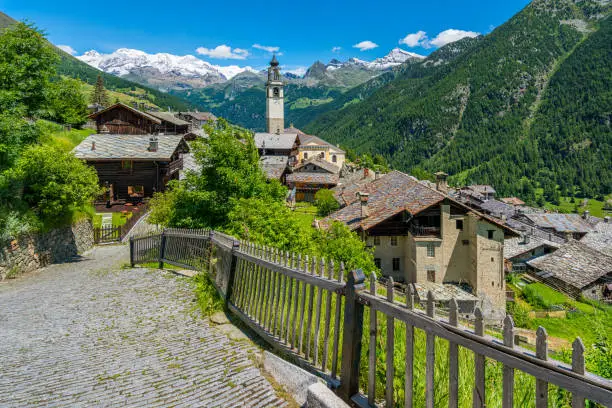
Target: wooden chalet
[(133, 166), (312, 175), (121, 119)]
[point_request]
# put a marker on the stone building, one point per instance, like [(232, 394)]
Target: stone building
[(275, 99), (422, 235)]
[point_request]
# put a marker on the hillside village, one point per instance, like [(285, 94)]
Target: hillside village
[(183, 241)]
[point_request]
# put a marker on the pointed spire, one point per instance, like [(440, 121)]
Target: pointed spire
[(274, 61)]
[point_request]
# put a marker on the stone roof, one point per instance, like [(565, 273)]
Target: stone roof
[(308, 139), (274, 141), (324, 164), (513, 201), (124, 106), (574, 263), (273, 166), (600, 238), (313, 178), (442, 292), (561, 222), (516, 246), (497, 208), (202, 116), (127, 147), (482, 188), (169, 117), (389, 195)]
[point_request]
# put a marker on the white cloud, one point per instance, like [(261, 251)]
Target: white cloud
[(223, 52), (68, 49), (266, 48), (452, 35), (415, 39), (420, 38), (365, 45), (336, 49)]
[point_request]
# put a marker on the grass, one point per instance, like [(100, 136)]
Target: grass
[(306, 213), (126, 96), (585, 320), (595, 207), (56, 136), (119, 219)]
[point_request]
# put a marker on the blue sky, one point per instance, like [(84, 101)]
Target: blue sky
[(227, 33)]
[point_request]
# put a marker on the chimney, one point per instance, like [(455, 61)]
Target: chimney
[(504, 217), (525, 239), (585, 214), (441, 184), (153, 144), (366, 172), (363, 199), (93, 145)]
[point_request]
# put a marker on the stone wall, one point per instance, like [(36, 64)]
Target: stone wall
[(33, 251)]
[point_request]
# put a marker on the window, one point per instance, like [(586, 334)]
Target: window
[(396, 264), (393, 241), (431, 250), (322, 155), (459, 224), (431, 275), (127, 164), (334, 158), (490, 234), (377, 262), (276, 92), (305, 155), (376, 240)]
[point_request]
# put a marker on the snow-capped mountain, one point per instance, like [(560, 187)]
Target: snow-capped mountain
[(396, 57), (161, 70)]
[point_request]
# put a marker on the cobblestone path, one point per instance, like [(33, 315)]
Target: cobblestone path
[(89, 333)]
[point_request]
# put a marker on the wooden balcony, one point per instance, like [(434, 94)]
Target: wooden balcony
[(424, 231), (174, 166)]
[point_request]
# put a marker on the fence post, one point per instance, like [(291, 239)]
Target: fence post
[(351, 341), (232, 272), (211, 237), (162, 250), (132, 252)]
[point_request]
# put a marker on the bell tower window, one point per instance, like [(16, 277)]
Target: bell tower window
[(276, 92)]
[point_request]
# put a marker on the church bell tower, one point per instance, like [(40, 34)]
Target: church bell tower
[(275, 111)]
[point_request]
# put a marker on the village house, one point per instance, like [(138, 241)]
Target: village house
[(421, 235), (133, 167), (577, 270), (196, 119), (310, 162), (519, 250), (569, 226)]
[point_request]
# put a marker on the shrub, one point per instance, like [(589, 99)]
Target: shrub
[(325, 202)]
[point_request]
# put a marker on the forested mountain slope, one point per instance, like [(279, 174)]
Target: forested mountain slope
[(71, 67), (514, 109)]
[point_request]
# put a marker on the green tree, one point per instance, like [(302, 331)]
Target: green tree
[(66, 103), (27, 62), (326, 202), (229, 171), (54, 183), (99, 95)]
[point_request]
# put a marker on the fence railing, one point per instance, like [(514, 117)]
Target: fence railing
[(354, 337)]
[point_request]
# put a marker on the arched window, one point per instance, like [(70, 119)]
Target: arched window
[(334, 158), (276, 92), (305, 155)]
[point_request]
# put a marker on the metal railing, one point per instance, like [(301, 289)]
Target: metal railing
[(302, 307)]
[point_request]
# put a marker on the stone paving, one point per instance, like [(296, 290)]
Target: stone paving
[(89, 333)]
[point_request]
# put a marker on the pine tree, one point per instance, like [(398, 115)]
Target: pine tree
[(100, 96)]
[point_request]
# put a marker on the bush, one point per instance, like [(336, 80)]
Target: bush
[(325, 202), (54, 183)]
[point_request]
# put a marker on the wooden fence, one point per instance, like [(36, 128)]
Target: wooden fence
[(107, 234), (306, 311)]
